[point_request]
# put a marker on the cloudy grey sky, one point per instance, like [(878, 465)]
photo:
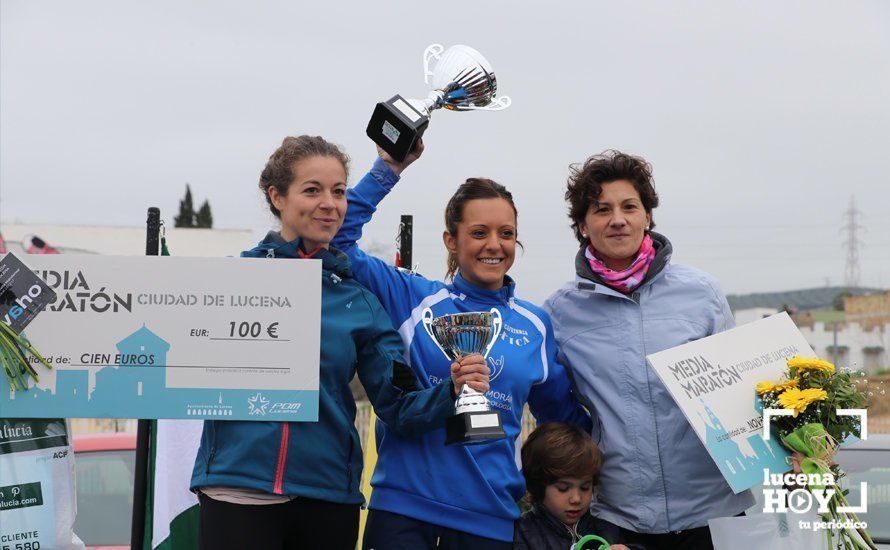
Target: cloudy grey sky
[(761, 118)]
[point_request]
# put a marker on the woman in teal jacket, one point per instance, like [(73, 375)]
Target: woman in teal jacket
[(295, 485)]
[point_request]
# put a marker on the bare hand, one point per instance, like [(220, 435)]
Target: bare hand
[(796, 459), (399, 167), (618, 547), (471, 370)]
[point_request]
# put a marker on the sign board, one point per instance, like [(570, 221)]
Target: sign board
[(168, 337), (713, 380)]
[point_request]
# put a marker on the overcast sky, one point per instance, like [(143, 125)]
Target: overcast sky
[(761, 119)]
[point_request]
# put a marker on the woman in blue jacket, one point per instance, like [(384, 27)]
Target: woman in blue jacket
[(295, 485), (427, 495), (659, 485)]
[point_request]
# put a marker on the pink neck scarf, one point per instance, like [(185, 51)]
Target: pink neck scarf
[(630, 278)]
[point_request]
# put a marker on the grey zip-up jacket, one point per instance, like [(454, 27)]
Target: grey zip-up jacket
[(657, 476)]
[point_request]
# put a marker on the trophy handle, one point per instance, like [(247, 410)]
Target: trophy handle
[(496, 324), (426, 318), (433, 51), (498, 104)]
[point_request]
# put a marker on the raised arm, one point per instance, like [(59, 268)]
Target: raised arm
[(396, 289)]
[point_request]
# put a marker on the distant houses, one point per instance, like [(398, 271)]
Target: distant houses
[(855, 336)]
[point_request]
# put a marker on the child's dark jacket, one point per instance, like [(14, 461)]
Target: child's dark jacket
[(538, 529)]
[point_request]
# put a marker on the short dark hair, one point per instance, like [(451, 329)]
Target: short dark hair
[(554, 451), (586, 184), (472, 189), (279, 170)]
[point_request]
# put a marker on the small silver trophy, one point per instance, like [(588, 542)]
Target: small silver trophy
[(463, 80), (459, 335)]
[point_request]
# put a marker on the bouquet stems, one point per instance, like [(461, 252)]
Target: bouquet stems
[(818, 448), (840, 499), (15, 363)]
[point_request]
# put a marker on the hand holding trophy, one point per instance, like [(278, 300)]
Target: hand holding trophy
[(463, 80), (458, 335)]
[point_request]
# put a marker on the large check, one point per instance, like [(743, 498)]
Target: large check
[(713, 380), (167, 337)]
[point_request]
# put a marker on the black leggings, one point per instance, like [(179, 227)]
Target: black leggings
[(301, 524), (389, 531)]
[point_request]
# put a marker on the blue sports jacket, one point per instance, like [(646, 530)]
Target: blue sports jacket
[(468, 488), (323, 460)]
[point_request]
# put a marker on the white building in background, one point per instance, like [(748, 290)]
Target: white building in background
[(128, 241), (852, 346), (856, 347)]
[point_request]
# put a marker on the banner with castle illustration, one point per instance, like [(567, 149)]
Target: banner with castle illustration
[(167, 337), (713, 380)]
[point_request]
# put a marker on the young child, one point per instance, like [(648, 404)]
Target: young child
[(560, 463)]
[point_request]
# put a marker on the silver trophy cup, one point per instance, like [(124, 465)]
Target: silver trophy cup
[(462, 79), (459, 335)]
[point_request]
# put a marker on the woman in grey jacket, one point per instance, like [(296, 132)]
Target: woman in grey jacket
[(658, 485)]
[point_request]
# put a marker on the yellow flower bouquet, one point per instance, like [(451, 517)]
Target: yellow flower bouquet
[(814, 391)]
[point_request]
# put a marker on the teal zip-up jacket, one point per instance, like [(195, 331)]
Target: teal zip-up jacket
[(323, 460)]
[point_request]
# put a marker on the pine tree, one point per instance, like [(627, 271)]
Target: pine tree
[(186, 217), (204, 218)]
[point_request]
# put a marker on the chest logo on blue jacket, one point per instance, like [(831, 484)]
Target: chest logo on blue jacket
[(496, 366), (514, 336), (257, 404)]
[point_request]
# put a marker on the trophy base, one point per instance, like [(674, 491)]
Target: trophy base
[(396, 126), (470, 428)]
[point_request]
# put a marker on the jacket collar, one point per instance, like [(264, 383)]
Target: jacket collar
[(501, 296), (585, 275), (574, 533), (274, 246)]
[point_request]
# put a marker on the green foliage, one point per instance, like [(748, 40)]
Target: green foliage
[(204, 218), (841, 387), (188, 217)]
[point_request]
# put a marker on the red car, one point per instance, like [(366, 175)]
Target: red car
[(104, 465)]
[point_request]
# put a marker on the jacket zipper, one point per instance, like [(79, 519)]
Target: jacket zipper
[(636, 298), (212, 432), (278, 487)]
